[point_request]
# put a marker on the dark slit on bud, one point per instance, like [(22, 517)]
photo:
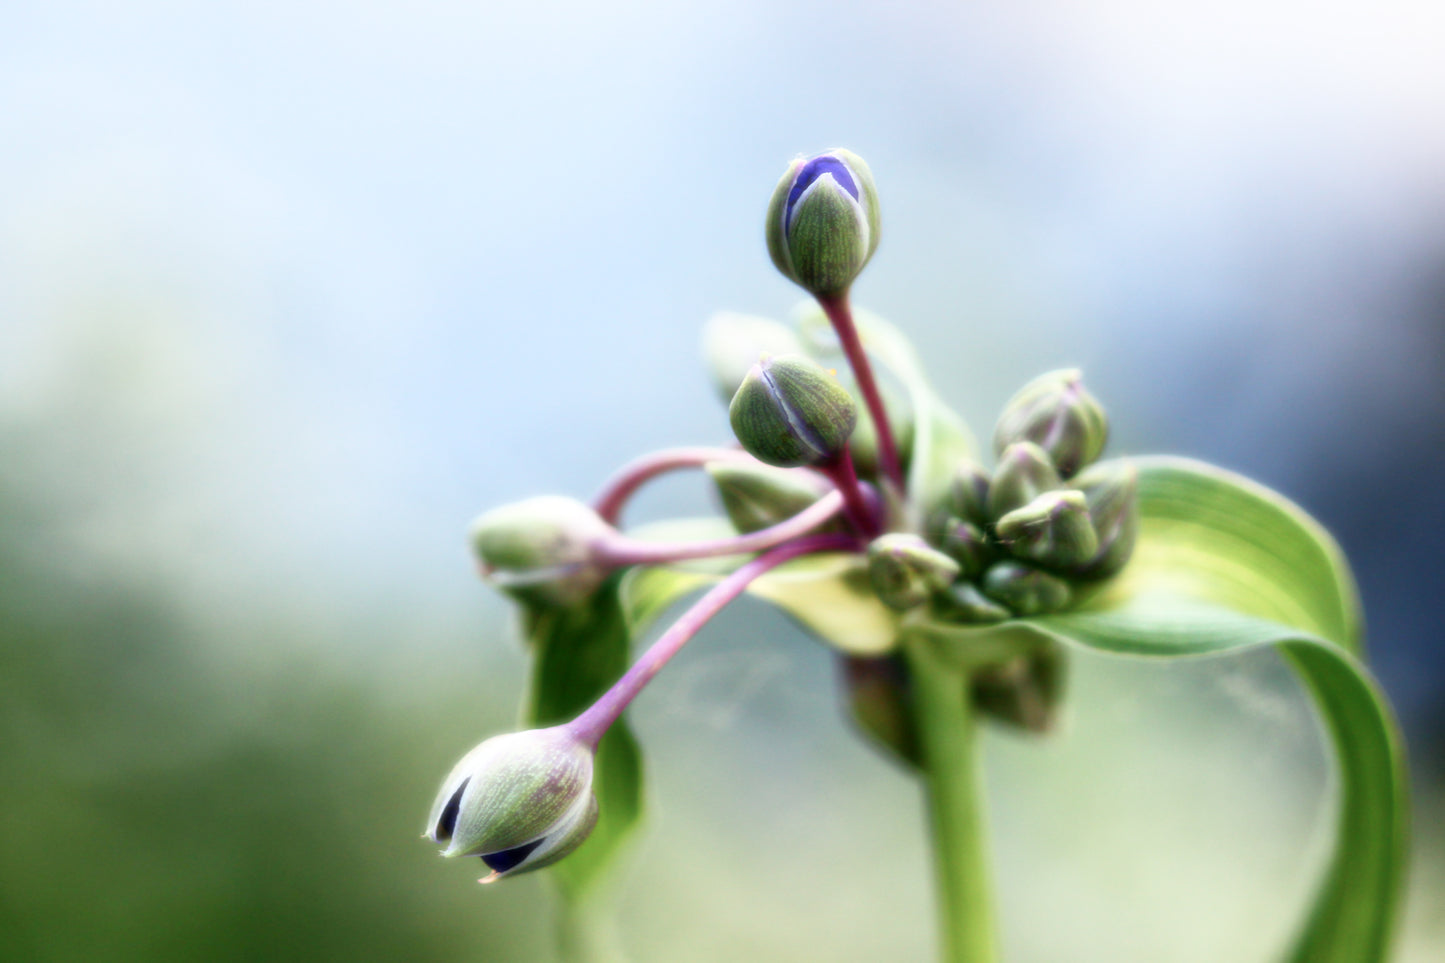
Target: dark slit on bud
[(511, 858), (448, 822)]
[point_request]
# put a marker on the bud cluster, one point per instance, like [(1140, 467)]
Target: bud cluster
[(1021, 540)]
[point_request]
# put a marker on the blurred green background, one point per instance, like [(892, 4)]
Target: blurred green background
[(289, 292)]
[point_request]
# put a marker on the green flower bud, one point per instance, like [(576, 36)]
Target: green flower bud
[(541, 549), (1055, 412), (1025, 691), (906, 572), (1112, 491), (968, 492), (967, 604), (519, 801), (759, 496), (1053, 530), (822, 224), (966, 544), (790, 412), (1024, 473), (1026, 591), (732, 344)]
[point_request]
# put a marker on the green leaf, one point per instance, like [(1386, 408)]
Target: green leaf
[(578, 653), (1224, 565)]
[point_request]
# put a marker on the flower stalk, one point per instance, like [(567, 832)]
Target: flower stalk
[(590, 726), (840, 315)]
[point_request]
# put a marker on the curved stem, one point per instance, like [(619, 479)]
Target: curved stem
[(947, 729), (632, 476), (592, 724), (860, 512), (841, 316), (619, 550)]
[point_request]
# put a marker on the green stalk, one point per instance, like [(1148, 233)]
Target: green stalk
[(952, 769)]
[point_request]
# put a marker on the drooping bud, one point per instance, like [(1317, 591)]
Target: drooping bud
[(967, 604), (822, 223), (964, 543), (519, 801), (542, 549), (1112, 491), (1024, 473), (790, 412), (1053, 530), (1026, 591), (906, 572), (732, 344), (1024, 691), (760, 496), (1055, 412)]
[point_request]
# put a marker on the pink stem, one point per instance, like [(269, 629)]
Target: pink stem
[(841, 316), (632, 476), (590, 726), (860, 513), (619, 550)]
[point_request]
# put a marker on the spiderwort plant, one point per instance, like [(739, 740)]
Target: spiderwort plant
[(953, 593)]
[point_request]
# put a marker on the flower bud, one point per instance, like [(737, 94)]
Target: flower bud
[(1112, 491), (968, 492), (822, 224), (790, 412), (1025, 691), (519, 801), (760, 496), (1053, 530), (967, 604), (1024, 473), (905, 571), (1055, 412), (542, 549), (1026, 591), (732, 344), (964, 543)]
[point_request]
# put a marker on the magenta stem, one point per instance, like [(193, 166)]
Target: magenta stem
[(590, 726), (619, 550), (860, 512), (632, 476), (841, 315)]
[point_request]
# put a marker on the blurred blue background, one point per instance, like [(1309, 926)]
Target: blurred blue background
[(289, 292)]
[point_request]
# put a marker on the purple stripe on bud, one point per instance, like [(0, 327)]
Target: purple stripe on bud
[(815, 168)]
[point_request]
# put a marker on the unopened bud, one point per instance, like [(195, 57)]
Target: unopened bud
[(790, 412), (965, 543), (732, 344), (1112, 491), (1025, 691), (968, 492), (1053, 530), (967, 604), (1055, 412), (542, 549), (1026, 591), (822, 223), (906, 572), (1024, 473), (519, 801), (760, 496)]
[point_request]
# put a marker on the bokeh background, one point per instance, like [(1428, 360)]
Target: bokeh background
[(289, 292)]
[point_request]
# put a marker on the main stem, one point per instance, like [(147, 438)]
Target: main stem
[(593, 723), (841, 316), (952, 770)]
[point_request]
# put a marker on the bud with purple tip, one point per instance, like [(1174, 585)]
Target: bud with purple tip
[(520, 801), (823, 221)]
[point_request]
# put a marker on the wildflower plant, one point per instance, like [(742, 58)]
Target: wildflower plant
[(953, 593)]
